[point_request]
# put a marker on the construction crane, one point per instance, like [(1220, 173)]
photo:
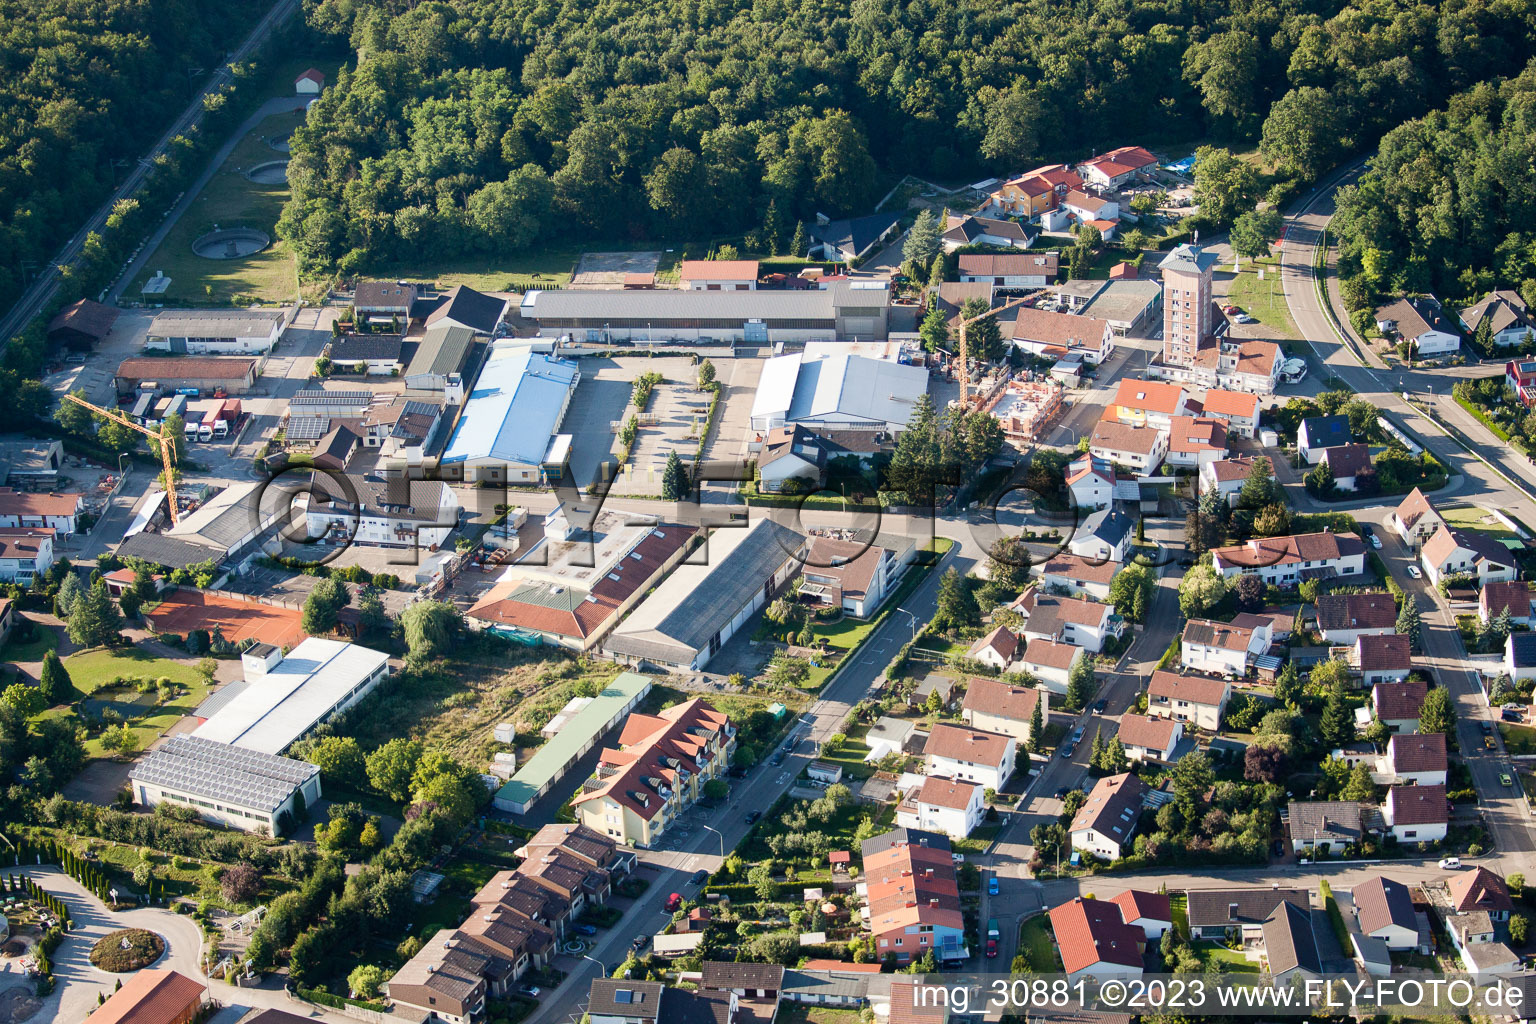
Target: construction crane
[(167, 446), (965, 355)]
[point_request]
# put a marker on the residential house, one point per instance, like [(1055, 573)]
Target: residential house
[(1152, 912), (380, 355), (933, 683), (1343, 618), (966, 230), (1149, 403), (1291, 944), (912, 897), (1227, 476), (1396, 705), (1051, 663), (1138, 448), (1221, 914), (1416, 520), (1480, 890), (443, 981), (657, 771), (970, 755), (1072, 620), (999, 707), (1034, 192), (385, 299), (1091, 209), (388, 513), (888, 736), (949, 806), (57, 512), (1509, 321), (718, 275), (1106, 823), (850, 239), (1317, 433), (622, 1001), (1009, 270), (1195, 442), (852, 575), (1078, 576), (1245, 365), (1286, 561), (1413, 759), (152, 996), (1348, 463), (26, 552), (999, 649), (334, 449), (1417, 814), (404, 428), (1452, 552), (1118, 167), (1222, 648), (1195, 700), (793, 453), (1041, 332), (1384, 910), (1419, 319), (1497, 598), (1520, 656), (1240, 410), (1105, 536), (1520, 375), (1324, 825), (1091, 482), (1095, 941), (1382, 658), (1149, 738), (467, 308)]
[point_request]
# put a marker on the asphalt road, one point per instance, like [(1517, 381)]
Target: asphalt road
[(46, 284)]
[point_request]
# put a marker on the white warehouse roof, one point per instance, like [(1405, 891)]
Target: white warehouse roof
[(515, 408), (293, 696), (848, 389)]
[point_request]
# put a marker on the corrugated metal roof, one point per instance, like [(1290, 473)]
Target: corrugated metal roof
[(517, 404), (278, 708), (555, 756), (856, 387), (224, 323), (664, 304), (217, 771), (441, 352)]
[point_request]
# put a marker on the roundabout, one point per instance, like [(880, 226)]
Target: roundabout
[(127, 949)]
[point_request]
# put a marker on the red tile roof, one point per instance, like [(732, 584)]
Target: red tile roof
[(24, 542), (682, 733), (1195, 689), (960, 743), (1114, 436), (1136, 904), (1001, 639), (1388, 653), (1418, 805), (1398, 701), (1080, 569), (150, 997), (1194, 434), (1090, 931), (995, 697), (1305, 547), (29, 503), (950, 793), (1479, 889), (1231, 403), (1417, 752), (1150, 396), (1414, 507), (1146, 732), (718, 270), (1050, 654)]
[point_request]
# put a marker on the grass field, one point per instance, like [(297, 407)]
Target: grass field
[(45, 641), (798, 1013), (1518, 739), (95, 672), (1263, 299), (94, 669), (1232, 962), (1038, 944), (1478, 520), (231, 200)]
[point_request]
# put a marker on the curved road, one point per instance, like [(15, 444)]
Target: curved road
[(46, 284)]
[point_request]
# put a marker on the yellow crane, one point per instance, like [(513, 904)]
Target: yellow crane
[(965, 355), (167, 446)]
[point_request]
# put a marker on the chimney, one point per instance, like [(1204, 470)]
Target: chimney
[(933, 902)]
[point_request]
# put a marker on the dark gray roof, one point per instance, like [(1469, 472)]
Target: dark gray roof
[(856, 233), (442, 351), (171, 552), (410, 500), (721, 974), (1326, 431), (817, 985), (385, 294), (619, 997), (1325, 821), (1356, 611), (909, 836), (217, 701), (1523, 647), (1289, 942), (473, 309), (354, 347), (336, 447), (971, 228), (665, 305), (1215, 908), (218, 771), (1112, 526)]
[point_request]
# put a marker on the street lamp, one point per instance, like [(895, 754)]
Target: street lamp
[(717, 833)]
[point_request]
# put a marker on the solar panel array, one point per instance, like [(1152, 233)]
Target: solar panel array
[(308, 428), (217, 771)]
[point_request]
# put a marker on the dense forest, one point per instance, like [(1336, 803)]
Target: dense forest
[(1448, 203), (482, 125), (88, 85)]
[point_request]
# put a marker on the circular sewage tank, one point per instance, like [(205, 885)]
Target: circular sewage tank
[(274, 172), (231, 244), (280, 143)]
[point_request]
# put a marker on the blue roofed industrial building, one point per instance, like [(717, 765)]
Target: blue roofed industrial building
[(509, 428)]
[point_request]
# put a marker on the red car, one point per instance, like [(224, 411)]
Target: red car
[(1231, 309), (992, 948), (674, 901)]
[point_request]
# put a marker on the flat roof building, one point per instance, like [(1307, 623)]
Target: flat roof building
[(244, 789), (689, 617), (230, 520), (848, 310), (838, 391), (205, 373), (508, 428), (287, 696), (219, 332), (581, 732)]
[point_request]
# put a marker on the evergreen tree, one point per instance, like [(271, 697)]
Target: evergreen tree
[(984, 338), (95, 621), (1437, 713), (706, 375), (957, 605), (71, 589), (1338, 722), (1115, 760), (54, 682), (922, 243), (1288, 686), (936, 274), (798, 244), (1096, 755), (1502, 625), (674, 479), (1008, 563), (1360, 787), (1037, 728), (935, 329), (1408, 620), (1080, 684)]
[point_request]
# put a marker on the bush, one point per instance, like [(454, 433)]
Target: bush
[(142, 949)]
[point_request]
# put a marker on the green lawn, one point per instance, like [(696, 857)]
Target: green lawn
[(1477, 520), (1263, 299), (96, 671), (1038, 944), (1231, 961), (798, 1013), (45, 641), (1179, 905), (1518, 739)]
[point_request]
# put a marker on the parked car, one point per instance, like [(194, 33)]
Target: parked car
[(1100, 706), (1366, 530), (1061, 792), (752, 817), (699, 877), (991, 948), (1450, 863), (992, 886), (1486, 728), (1231, 310), (1504, 777), (674, 901), (640, 941), (1067, 749), (1488, 742), (1376, 542), (586, 929), (1244, 318), (1415, 572), (957, 858), (531, 991)]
